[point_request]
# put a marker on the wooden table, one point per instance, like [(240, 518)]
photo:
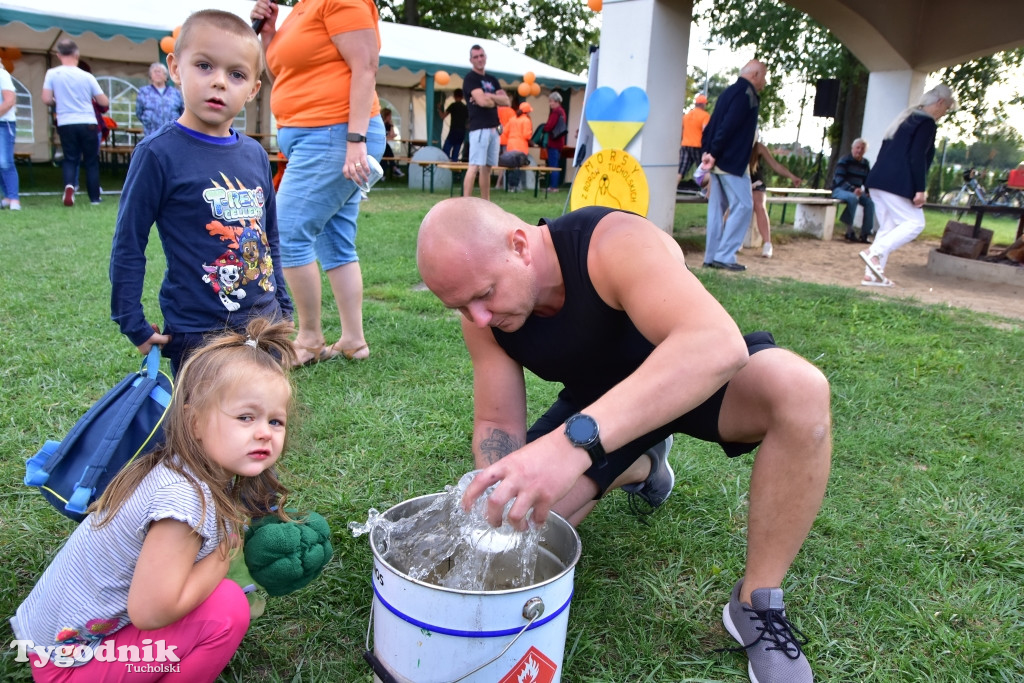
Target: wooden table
[(427, 167), (133, 133), (410, 144)]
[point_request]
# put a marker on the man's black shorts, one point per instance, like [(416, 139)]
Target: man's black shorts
[(700, 423)]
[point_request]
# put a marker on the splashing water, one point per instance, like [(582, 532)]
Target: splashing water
[(447, 546)]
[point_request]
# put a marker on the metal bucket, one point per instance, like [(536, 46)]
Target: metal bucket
[(425, 633)]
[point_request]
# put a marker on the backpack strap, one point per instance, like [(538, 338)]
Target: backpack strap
[(39, 467), (142, 386)]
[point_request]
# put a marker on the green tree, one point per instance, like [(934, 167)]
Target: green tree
[(557, 32), (716, 84), (999, 149), (789, 41), (971, 82)]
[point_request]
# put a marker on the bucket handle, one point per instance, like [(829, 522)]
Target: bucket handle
[(532, 610)]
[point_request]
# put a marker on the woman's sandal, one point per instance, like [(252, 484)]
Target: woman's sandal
[(871, 282), (318, 354), (873, 264), (349, 354)]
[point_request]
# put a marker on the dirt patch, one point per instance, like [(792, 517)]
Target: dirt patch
[(836, 262)]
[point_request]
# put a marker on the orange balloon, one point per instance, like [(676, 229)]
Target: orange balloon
[(535, 88), (594, 5), (529, 77), (167, 44), (442, 78), (8, 64), (523, 89), (14, 53), (176, 32)]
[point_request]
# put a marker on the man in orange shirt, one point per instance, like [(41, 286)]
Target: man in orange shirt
[(693, 127)]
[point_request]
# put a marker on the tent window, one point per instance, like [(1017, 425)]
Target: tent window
[(23, 107), (122, 107)]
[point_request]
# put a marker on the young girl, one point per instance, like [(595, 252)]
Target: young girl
[(139, 592)]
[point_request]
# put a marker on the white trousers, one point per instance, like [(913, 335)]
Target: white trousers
[(898, 221)]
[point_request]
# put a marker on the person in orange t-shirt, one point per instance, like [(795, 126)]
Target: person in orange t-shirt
[(693, 128), (323, 60), (519, 130), (505, 114)]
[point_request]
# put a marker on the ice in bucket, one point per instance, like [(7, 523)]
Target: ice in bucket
[(444, 545)]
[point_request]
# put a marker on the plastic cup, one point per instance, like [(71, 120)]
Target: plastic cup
[(376, 173)]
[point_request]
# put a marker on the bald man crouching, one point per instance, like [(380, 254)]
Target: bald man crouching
[(601, 301)]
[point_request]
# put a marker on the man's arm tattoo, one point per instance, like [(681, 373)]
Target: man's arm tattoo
[(498, 445)]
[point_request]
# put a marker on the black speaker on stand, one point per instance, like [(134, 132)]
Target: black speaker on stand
[(826, 105), (826, 98)]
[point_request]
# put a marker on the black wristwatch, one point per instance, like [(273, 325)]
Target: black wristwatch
[(355, 137), (583, 432)]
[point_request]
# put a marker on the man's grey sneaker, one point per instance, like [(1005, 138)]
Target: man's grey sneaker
[(773, 645), (656, 488)]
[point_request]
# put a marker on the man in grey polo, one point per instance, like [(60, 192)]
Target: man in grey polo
[(484, 95)]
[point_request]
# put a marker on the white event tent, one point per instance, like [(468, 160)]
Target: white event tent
[(119, 39)]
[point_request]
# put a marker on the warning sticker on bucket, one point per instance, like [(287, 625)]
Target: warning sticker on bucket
[(534, 667)]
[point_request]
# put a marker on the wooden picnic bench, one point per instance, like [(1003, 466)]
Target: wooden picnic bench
[(459, 168), (115, 155)]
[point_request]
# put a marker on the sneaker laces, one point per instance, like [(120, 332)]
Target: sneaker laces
[(777, 631), (639, 507)]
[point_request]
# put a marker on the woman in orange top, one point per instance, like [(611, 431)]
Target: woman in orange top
[(323, 59)]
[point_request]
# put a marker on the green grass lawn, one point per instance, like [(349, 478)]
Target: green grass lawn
[(913, 572)]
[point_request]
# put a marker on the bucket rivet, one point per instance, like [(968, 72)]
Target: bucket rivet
[(533, 608)]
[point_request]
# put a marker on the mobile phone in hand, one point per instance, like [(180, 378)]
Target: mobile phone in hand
[(257, 24)]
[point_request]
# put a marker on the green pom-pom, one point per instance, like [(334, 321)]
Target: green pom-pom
[(285, 556)]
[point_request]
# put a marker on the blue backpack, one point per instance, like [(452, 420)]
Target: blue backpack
[(122, 425)]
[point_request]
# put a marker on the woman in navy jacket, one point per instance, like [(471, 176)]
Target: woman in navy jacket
[(897, 180)]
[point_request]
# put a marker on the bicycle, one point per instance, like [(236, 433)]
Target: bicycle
[(969, 194), (1008, 195)]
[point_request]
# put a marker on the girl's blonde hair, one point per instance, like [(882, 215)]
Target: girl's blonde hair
[(222, 362)]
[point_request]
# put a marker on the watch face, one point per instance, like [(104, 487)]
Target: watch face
[(581, 429)]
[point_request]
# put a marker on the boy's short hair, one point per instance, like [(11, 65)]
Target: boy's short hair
[(225, 21)]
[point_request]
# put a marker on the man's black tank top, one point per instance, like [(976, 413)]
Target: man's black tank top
[(587, 346)]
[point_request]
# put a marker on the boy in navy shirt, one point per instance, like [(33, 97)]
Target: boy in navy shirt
[(209, 191)]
